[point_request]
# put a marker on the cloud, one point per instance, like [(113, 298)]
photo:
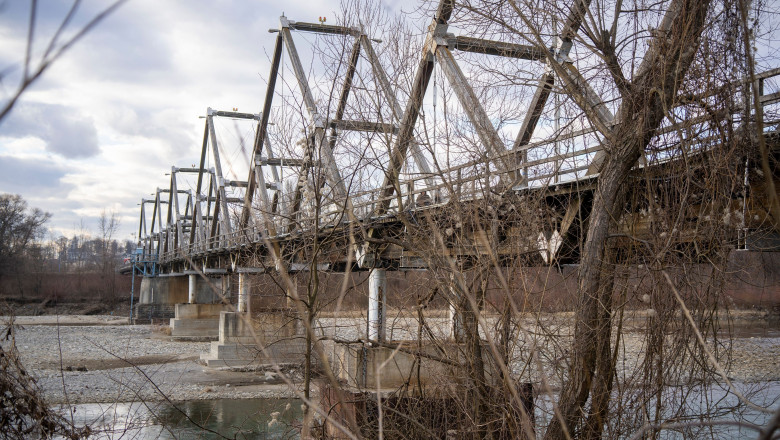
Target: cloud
[(32, 176), (66, 131)]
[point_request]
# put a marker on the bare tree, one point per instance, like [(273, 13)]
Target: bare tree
[(108, 224), (19, 230), (33, 68)]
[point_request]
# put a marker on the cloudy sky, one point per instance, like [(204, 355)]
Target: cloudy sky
[(101, 127)]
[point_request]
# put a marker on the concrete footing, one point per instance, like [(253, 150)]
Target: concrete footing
[(269, 337), (442, 415), (366, 367), (197, 321)]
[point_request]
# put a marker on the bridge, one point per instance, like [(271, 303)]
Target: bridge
[(201, 227), (349, 170)]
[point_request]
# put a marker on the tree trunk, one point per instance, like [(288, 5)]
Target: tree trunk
[(654, 89)]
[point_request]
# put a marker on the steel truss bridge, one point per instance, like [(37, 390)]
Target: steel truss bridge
[(260, 222)]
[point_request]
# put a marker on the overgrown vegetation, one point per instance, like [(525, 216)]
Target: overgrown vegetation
[(23, 411)]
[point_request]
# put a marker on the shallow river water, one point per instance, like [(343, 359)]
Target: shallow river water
[(280, 418), (242, 419)]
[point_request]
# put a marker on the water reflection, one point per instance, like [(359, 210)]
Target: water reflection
[(278, 418), (692, 406), (200, 419)]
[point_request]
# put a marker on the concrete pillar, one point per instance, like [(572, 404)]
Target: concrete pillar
[(193, 288), (243, 293), (377, 298)]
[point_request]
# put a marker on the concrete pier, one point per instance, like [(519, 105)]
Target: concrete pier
[(383, 368), (269, 337), (377, 300), (197, 321), (193, 281), (192, 288), (198, 318), (243, 293)]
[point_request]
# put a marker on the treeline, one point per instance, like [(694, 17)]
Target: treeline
[(34, 264)]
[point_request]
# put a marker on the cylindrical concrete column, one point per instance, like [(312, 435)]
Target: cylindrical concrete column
[(243, 292), (377, 298), (192, 288)]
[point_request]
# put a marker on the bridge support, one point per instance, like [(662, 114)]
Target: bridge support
[(267, 338), (193, 282), (243, 293), (377, 298), (198, 317)]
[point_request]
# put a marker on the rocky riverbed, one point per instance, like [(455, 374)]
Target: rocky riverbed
[(94, 360), (110, 363)]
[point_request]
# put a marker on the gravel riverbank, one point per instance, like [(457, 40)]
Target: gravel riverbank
[(80, 363), (104, 363)]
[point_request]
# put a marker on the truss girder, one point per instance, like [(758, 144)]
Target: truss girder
[(318, 120), (476, 114), (422, 77), (224, 217), (201, 220), (261, 136), (384, 83)]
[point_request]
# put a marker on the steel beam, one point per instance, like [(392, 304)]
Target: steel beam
[(346, 88), (237, 115), (332, 173), (499, 48), (344, 95), (398, 114), (422, 77), (321, 28), (175, 221), (476, 114), (543, 88), (363, 126), (280, 162), (198, 186), (225, 219), (261, 136), (236, 183)]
